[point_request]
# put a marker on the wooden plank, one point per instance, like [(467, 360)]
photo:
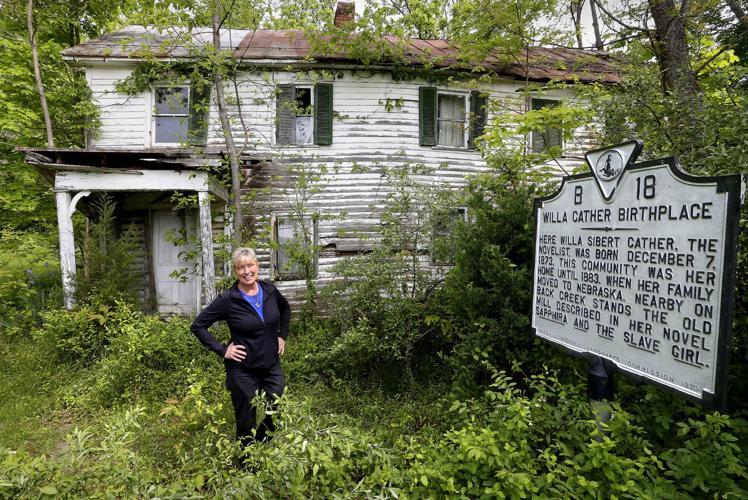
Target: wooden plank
[(206, 243), (149, 180)]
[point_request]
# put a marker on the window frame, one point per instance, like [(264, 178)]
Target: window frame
[(275, 255), (531, 139), (465, 122), (460, 214), (310, 114), (154, 115), (321, 95), (476, 116)]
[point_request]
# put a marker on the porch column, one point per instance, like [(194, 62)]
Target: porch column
[(206, 242), (67, 246), (65, 210)]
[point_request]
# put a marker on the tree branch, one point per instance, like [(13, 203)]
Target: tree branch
[(38, 73), (616, 19)]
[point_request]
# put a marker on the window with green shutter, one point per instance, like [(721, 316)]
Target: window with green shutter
[(323, 114), (478, 113), (427, 115), (450, 118), (199, 108), (304, 114), (549, 137)]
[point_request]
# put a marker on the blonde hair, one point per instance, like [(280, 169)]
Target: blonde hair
[(243, 253)]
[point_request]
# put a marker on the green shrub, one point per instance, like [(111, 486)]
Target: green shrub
[(29, 280), (487, 294), (146, 356), (379, 302), (107, 275), (80, 336)]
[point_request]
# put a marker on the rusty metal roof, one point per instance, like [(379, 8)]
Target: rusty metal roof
[(533, 63)]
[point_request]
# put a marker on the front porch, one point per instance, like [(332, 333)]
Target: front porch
[(143, 184)]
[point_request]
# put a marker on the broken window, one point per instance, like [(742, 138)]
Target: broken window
[(304, 114), (541, 141), (295, 253)]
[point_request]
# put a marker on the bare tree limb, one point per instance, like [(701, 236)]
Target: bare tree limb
[(740, 14), (617, 19), (226, 127), (38, 73), (596, 25)]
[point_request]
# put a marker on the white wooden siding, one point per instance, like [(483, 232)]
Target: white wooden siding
[(365, 136), (124, 118)]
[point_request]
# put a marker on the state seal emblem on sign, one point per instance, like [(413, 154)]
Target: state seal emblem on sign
[(609, 165)]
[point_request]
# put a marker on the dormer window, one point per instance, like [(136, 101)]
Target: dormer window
[(171, 113)]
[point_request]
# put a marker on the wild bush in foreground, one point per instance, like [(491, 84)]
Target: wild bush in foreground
[(508, 443)]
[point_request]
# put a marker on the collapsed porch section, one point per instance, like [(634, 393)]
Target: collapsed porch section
[(143, 183)]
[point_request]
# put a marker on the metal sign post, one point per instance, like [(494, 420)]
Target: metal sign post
[(635, 264)]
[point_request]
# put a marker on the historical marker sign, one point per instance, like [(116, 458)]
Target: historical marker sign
[(636, 263)]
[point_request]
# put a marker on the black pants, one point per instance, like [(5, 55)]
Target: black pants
[(244, 386)]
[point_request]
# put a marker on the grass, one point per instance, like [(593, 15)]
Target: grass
[(30, 417)]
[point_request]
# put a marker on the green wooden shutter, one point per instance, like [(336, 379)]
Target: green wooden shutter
[(197, 127), (427, 115), (549, 137), (284, 114), (323, 114), (478, 103)]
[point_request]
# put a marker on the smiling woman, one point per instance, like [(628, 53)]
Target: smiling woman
[(258, 317)]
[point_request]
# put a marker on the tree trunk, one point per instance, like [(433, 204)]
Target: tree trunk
[(596, 25), (38, 73), (671, 50), (737, 9), (575, 7), (226, 127)]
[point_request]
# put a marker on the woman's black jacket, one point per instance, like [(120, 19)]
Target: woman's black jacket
[(260, 339)]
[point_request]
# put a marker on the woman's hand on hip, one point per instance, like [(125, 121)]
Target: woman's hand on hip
[(235, 352), (281, 346)]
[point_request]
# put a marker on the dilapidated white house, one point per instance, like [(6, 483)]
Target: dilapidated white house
[(289, 105)]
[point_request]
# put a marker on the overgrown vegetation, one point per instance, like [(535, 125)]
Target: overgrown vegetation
[(419, 380), (416, 384)]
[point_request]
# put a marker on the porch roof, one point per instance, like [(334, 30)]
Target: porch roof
[(124, 170)]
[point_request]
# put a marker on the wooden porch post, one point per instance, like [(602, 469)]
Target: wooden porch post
[(65, 209), (67, 247), (206, 242)]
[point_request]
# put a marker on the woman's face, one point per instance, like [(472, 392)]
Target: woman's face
[(246, 271)]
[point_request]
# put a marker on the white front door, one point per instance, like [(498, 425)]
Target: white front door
[(174, 265)]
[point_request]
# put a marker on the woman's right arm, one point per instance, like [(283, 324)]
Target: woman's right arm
[(216, 311)]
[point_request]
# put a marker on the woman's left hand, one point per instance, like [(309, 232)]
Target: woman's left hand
[(281, 346)]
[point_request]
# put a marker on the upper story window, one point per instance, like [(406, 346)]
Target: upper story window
[(541, 141), (171, 113), (304, 114), (303, 125), (451, 119), (180, 114)]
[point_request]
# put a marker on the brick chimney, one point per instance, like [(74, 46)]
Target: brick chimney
[(344, 13)]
